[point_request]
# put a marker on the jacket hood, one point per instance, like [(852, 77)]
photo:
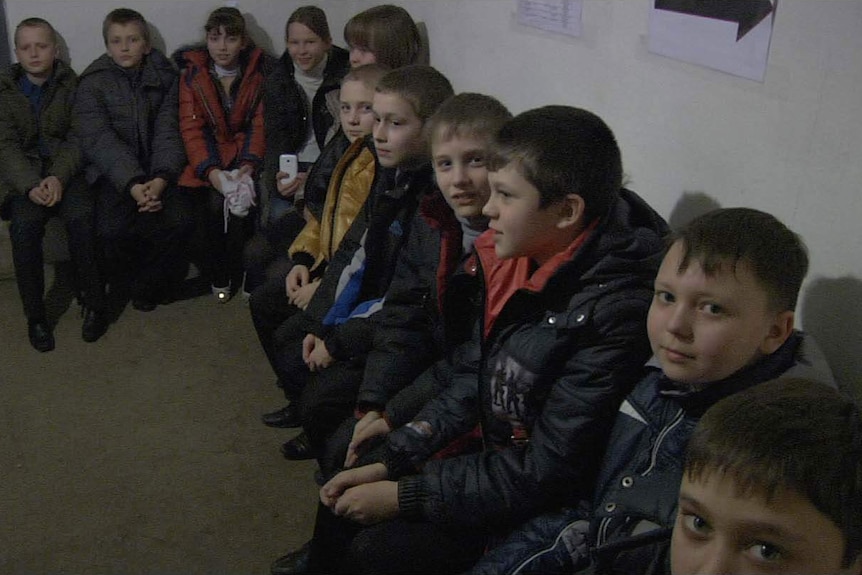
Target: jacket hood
[(628, 240)]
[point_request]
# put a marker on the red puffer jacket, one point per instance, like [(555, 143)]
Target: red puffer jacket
[(214, 137)]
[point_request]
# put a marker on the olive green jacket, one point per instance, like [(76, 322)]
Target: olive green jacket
[(22, 166)]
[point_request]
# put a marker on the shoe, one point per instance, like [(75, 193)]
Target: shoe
[(222, 294), (95, 325), (285, 417), (143, 304), (299, 448), (294, 563), (40, 335)]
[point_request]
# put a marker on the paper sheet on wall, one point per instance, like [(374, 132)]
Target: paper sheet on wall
[(728, 35), (561, 16)]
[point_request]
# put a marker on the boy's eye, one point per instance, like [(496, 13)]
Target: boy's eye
[(366, 109), (477, 161), (765, 552), (443, 164), (694, 524), (713, 308), (664, 297)]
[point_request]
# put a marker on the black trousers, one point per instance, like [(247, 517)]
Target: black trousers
[(396, 547), (223, 253), (144, 249), (27, 230)]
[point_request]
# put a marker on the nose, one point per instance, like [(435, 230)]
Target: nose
[(380, 132), (353, 117), (489, 210), (679, 321), (355, 56), (460, 177), (717, 560)]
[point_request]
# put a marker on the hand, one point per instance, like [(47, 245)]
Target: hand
[(296, 278), (335, 487), (156, 187), (315, 354), (54, 189), (370, 503), (39, 196), (243, 170), (371, 425), (215, 180), (302, 297), (288, 190), (139, 194)]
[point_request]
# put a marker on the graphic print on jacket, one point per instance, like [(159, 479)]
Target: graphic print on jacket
[(510, 384)]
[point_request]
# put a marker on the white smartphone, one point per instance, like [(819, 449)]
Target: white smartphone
[(288, 164)]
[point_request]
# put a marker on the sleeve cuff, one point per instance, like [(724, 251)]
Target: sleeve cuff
[(410, 496)]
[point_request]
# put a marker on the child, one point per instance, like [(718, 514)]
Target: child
[(773, 484), (333, 326), (125, 118), (721, 321), (276, 300), (429, 308), (221, 122), (298, 118), (566, 266), (384, 34), (437, 269), (42, 176)]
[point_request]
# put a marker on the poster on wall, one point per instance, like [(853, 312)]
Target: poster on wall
[(728, 35), (560, 16)]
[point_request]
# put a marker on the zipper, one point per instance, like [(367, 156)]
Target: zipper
[(661, 436)]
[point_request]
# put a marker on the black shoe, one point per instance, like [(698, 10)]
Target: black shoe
[(298, 448), (294, 563), (40, 335), (285, 417), (143, 304), (95, 325)]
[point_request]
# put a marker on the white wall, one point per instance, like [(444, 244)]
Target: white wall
[(690, 136)]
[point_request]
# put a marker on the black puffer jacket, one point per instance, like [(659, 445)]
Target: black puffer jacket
[(561, 354), (285, 110), (21, 135), (429, 311), (127, 122)]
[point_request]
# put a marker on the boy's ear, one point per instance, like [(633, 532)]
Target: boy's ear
[(571, 211), (779, 331)]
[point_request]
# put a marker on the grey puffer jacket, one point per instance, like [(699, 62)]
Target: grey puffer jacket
[(127, 123)]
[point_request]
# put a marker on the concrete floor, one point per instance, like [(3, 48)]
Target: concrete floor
[(143, 452)]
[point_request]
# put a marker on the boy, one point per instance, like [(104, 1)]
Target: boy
[(362, 266), (126, 119), (349, 172), (41, 178), (773, 484), (566, 266), (429, 308), (721, 321)]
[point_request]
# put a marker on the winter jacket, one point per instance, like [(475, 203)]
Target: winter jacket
[(374, 240), (428, 312), (215, 137), (349, 187), (626, 528), (126, 121), (286, 110), (22, 161), (560, 348)]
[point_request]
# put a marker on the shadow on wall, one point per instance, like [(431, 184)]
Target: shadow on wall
[(831, 313), (691, 205)]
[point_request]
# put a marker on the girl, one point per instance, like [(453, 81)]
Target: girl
[(221, 120)]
